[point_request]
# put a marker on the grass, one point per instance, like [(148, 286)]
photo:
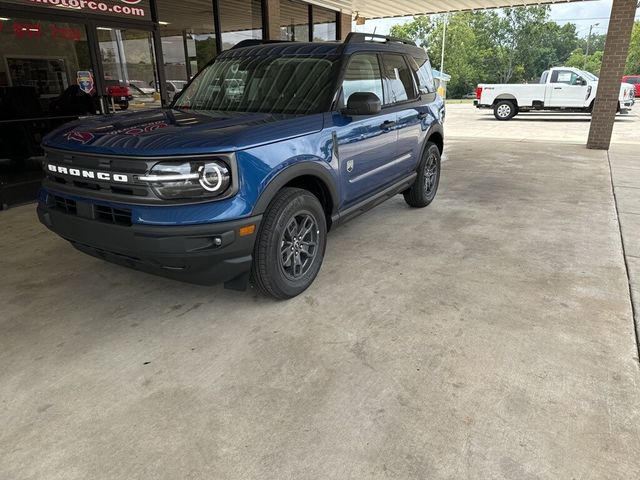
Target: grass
[(459, 100)]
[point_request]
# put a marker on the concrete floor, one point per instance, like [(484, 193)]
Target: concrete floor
[(625, 173), (489, 336)]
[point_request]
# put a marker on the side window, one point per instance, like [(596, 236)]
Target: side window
[(362, 75), (422, 69), (399, 78), (564, 76)]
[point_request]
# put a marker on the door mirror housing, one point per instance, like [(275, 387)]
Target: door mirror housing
[(363, 103), (581, 81)]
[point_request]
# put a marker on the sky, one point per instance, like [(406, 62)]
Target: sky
[(583, 14)]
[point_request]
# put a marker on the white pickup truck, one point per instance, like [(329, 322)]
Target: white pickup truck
[(560, 89)]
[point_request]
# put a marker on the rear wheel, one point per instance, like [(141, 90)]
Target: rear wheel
[(290, 246), (123, 105), (423, 191), (504, 110)]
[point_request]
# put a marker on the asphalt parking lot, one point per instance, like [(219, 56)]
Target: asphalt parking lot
[(488, 336)]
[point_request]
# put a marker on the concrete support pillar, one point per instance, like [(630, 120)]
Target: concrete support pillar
[(344, 25), (271, 19), (613, 61)]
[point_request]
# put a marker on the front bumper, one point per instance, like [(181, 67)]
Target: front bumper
[(628, 103), (202, 254)]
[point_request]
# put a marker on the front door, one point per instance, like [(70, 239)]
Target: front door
[(566, 90), (130, 74), (365, 143)]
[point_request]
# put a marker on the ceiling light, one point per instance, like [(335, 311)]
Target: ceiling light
[(163, 23)]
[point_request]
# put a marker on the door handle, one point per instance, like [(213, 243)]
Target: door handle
[(557, 88), (388, 125)]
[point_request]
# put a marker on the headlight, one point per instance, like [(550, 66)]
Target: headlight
[(183, 180)]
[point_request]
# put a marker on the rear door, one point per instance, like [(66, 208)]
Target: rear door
[(403, 99), (366, 143), (565, 90)]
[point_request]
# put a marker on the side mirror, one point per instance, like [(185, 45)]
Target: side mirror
[(581, 81), (363, 103)]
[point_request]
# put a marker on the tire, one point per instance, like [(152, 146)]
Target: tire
[(424, 189), (123, 105), (278, 271), (504, 110)]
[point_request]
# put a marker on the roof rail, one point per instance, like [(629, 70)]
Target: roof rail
[(358, 37), (252, 42)]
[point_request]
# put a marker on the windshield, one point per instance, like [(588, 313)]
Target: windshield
[(282, 84), (589, 76)]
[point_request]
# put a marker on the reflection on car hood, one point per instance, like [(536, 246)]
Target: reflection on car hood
[(178, 132)]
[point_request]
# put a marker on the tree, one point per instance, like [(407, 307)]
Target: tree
[(596, 43), (512, 45), (633, 60), (418, 30), (590, 63)]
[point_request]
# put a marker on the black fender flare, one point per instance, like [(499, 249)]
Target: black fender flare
[(291, 173), (435, 128)]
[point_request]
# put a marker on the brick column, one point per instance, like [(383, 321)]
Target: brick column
[(344, 26), (271, 16), (613, 61)]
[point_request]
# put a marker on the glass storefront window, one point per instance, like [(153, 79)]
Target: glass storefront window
[(294, 21), (40, 62), (188, 38), (46, 79), (240, 20), (128, 62), (324, 24)]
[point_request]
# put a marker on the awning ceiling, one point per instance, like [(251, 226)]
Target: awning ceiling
[(399, 8)]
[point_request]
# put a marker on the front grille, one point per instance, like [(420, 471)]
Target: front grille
[(129, 190), (101, 213), (66, 205), (95, 174), (117, 216)]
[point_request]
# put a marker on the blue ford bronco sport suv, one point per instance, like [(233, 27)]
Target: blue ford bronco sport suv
[(266, 149)]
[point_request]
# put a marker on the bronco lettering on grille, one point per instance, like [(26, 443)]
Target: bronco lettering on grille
[(90, 174)]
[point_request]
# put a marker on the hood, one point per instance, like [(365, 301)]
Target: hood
[(178, 132)]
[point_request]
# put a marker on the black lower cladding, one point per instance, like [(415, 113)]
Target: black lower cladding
[(201, 254)]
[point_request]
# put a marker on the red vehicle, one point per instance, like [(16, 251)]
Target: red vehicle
[(633, 80), (118, 93)]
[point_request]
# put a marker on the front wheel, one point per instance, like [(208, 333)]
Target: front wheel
[(290, 246), (424, 189), (504, 110)]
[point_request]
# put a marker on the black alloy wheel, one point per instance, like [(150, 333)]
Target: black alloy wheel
[(290, 246)]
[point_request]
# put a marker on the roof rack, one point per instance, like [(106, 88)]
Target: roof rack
[(358, 37), (252, 42)]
